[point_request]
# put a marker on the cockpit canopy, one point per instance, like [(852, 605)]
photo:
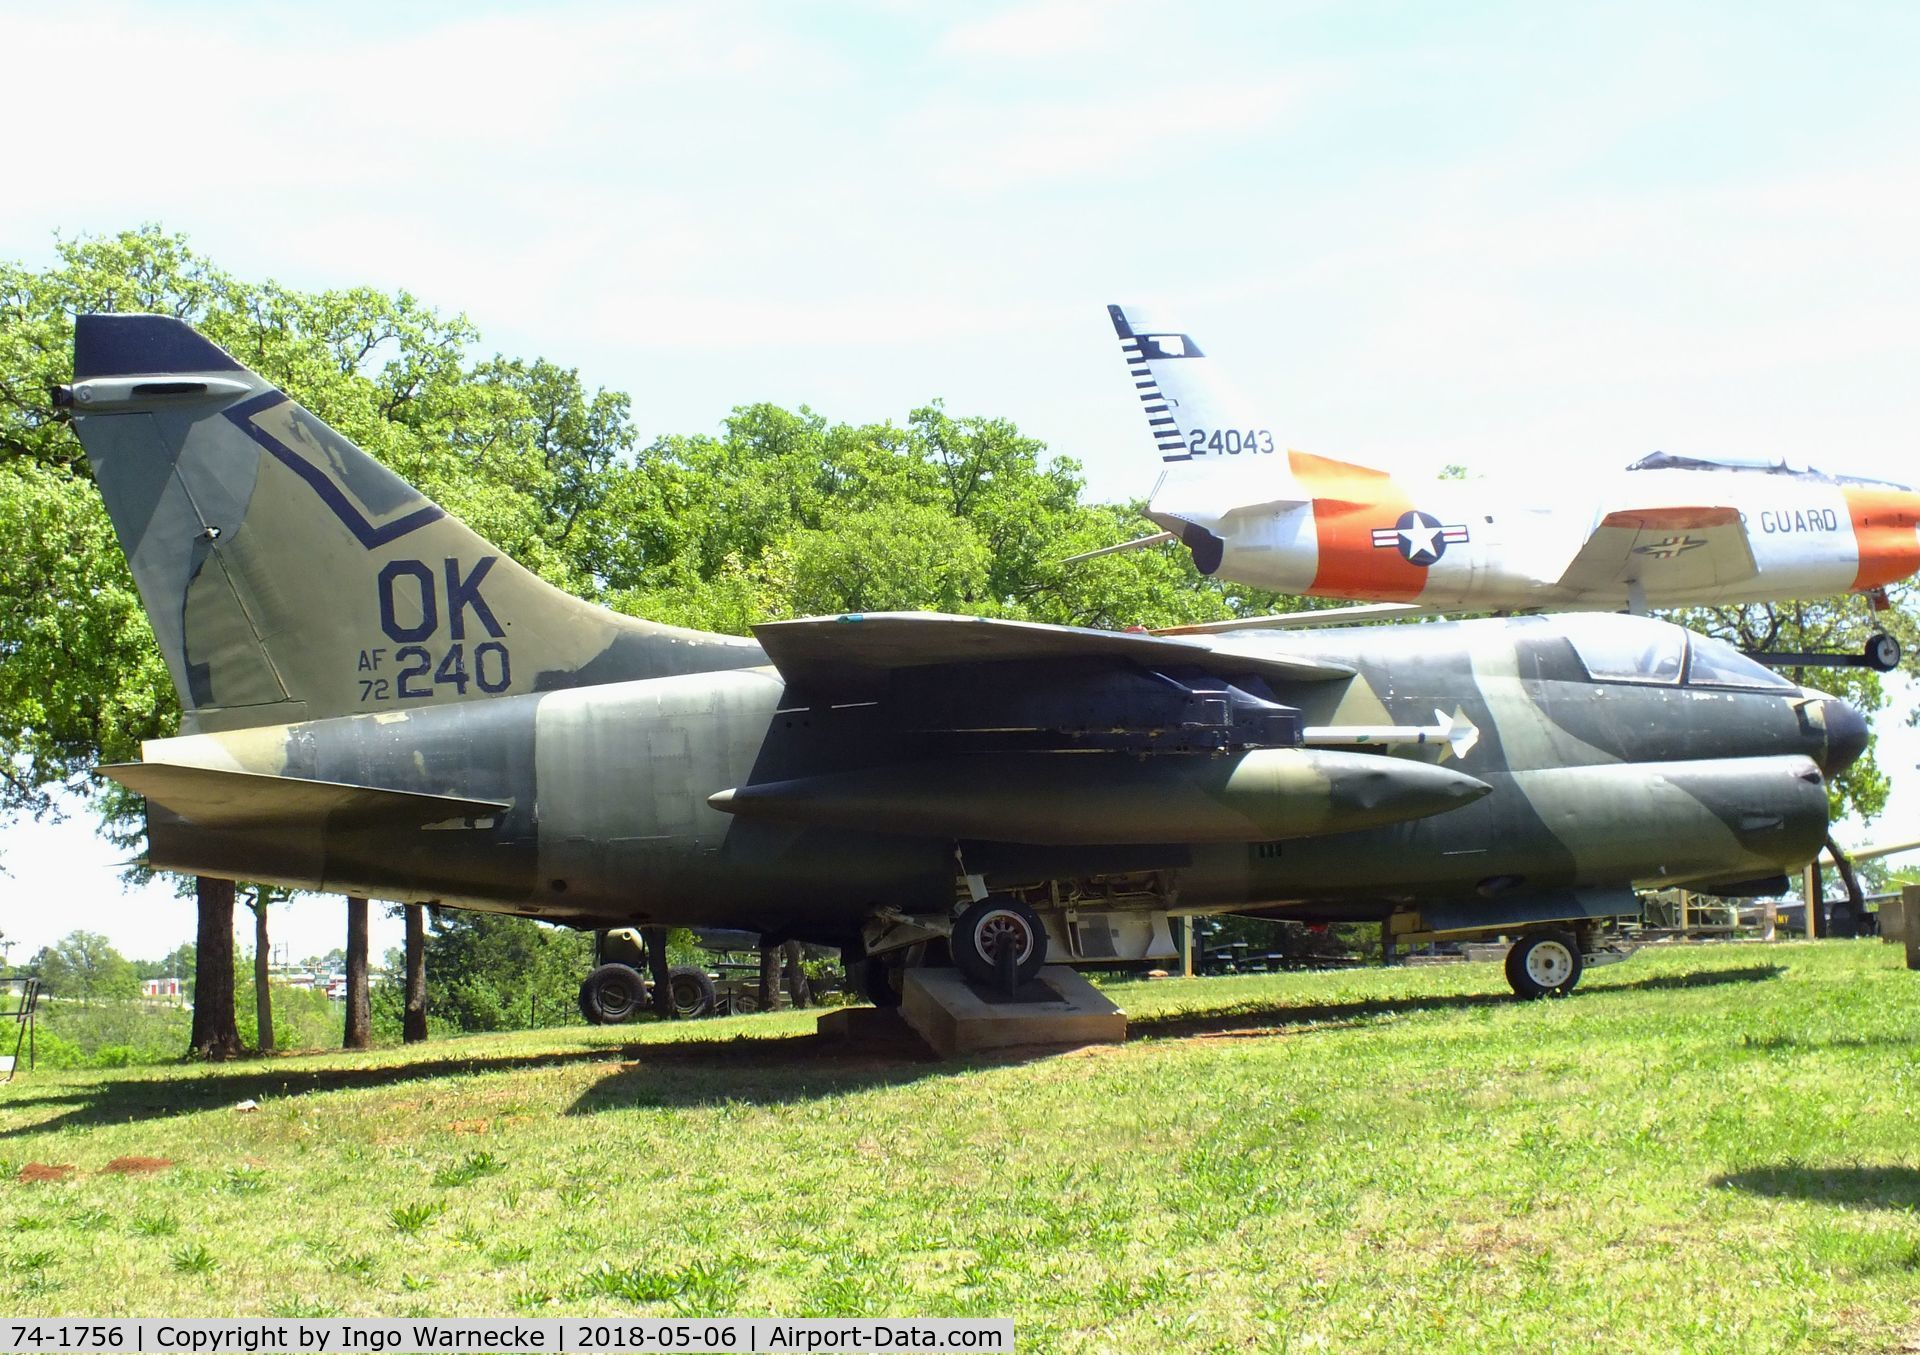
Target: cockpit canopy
[(1755, 465), (1617, 648)]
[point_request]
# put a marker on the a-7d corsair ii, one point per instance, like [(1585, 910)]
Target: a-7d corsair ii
[(378, 702), (1669, 531)]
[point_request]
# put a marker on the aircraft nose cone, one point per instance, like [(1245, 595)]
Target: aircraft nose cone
[(1846, 735)]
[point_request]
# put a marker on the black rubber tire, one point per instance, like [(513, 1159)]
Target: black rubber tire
[(993, 922), (1544, 964), (743, 1003), (882, 978), (613, 994), (692, 990), (1882, 653)]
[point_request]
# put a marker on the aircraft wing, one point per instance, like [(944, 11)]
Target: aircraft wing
[(1324, 616), (851, 656), (1699, 547), (223, 799)]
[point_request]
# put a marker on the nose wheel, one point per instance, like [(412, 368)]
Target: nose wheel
[(1544, 964), (1882, 653), (993, 927)]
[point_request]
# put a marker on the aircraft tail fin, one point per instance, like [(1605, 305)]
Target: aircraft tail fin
[(1192, 412), (290, 576)]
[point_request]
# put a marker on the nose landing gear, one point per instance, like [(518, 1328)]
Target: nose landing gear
[(1544, 964), (992, 928)]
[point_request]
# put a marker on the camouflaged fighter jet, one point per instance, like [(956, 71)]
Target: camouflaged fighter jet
[(378, 702), (1669, 531)]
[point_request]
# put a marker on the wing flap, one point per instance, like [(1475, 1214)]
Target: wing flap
[(225, 799), (1693, 547), (852, 655)]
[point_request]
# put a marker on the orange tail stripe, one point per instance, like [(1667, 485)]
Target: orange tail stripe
[(1348, 503)]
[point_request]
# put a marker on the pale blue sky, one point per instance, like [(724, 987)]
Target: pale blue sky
[(1531, 239)]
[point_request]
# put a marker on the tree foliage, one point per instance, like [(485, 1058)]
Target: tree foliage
[(517, 449), (492, 972), (84, 964)]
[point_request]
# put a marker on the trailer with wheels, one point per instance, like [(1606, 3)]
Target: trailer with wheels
[(618, 989)]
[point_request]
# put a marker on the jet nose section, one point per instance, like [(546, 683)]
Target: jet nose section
[(1846, 735)]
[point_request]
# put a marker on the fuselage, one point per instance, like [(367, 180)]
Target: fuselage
[(1308, 525), (1607, 766)]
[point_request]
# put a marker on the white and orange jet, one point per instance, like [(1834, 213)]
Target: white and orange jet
[(1668, 531)]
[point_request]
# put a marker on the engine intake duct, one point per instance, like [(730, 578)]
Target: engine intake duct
[(1077, 798)]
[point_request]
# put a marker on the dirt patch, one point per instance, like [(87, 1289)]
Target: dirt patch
[(480, 1126), (39, 1173), (134, 1166)]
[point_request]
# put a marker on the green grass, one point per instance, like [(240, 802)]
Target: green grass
[(1711, 1149)]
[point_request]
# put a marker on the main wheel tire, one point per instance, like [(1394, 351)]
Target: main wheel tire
[(1544, 964), (613, 993), (991, 926), (883, 978), (692, 990), (1882, 653)]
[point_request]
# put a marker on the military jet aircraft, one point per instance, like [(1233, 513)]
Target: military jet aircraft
[(376, 701), (1669, 531)]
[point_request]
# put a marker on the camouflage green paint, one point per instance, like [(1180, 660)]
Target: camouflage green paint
[(310, 604)]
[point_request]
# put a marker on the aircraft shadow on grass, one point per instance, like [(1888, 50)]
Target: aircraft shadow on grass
[(1867, 1187), (1262, 1017), (691, 1072)]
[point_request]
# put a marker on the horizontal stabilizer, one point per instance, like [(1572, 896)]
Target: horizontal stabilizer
[(1157, 539), (224, 799), (851, 656)]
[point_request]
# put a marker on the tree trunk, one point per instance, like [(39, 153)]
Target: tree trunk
[(769, 975), (262, 973), (1856, 901), (359, 1015), (661, 971), (414, 1018), (214, 1034), (796, 977)]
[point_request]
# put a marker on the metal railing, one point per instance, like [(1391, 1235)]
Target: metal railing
[(24, 1034)]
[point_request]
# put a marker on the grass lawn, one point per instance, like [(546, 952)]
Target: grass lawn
[(1710, 1148)]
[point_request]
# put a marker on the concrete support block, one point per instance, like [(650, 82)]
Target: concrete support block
[(955, 1019)]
